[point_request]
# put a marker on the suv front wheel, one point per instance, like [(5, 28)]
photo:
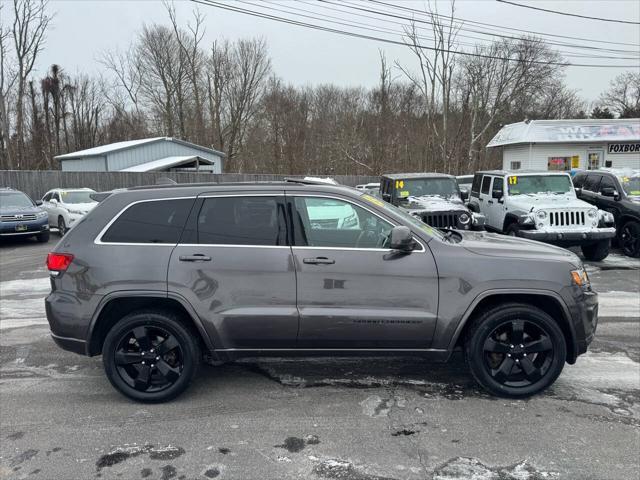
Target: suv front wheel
[(150, 356), (596, 251), (515, 350)]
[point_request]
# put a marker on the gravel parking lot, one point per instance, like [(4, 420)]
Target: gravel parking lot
[(349, 419)]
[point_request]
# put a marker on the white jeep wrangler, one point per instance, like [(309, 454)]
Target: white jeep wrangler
[(541, 206)]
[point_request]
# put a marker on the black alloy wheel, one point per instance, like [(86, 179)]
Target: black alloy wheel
[(149, 359), (515, 350), (151, 355), (518, 353), (630, 238)]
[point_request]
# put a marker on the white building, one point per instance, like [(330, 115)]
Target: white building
[(159, 154), (569, 144)]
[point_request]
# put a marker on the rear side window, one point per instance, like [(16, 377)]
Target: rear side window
[(242, 221), (486, 185), (591, 183), (158, 221), (475, 186)]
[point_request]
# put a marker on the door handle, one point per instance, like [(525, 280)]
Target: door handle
[(319, 261), (490, 201), (198, 257)]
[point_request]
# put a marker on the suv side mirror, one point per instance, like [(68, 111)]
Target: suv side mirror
[(38, 203), (609, 192), (496, 194), (386, 197), (401, 239), (464, 193)]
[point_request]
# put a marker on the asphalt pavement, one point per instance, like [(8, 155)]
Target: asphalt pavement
[(350, 419)]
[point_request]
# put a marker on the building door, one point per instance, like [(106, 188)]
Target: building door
[(595, 159)]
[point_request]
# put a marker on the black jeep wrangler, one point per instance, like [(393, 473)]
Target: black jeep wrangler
[(434, 197)]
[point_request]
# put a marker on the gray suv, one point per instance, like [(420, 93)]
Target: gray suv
[(156, 279)]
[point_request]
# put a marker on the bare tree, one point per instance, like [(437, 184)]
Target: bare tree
[(623, 95), (29, 29), (8, 77)]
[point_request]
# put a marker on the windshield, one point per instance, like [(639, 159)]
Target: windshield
[(532, 184), (15, 200), (630, 184), (412, 220), (77, 197), (443, 187)]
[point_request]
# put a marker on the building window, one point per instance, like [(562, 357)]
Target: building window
[(516, 165), (559, 163)]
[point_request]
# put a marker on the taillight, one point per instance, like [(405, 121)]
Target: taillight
[(59, 262)]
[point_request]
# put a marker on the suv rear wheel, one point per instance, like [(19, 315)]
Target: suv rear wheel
[(515, 350), (150, 356), (596, 251)]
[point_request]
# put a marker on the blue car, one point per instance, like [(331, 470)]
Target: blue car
[(21, 216)]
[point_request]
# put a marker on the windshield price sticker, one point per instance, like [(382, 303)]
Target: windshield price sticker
[(399, 183), (513, 180), (403, 194)]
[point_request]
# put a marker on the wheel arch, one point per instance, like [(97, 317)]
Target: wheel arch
[(509, 219), (113, 307), (547, 301), (624, 218)]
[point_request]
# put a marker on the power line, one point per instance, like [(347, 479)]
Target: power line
[(510, 37), (568, 14), (504, 27), (393, 42)]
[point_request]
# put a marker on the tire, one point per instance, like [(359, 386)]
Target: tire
[(519, 371), (629, 238), (62, 226), (596, 251), (43, 237), (137, 369), (512, 230)]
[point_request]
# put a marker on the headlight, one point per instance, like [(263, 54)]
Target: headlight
[(606, 217), (41, 214), (350, 221), (580, 278), (464, 218), (75, 212), (541, 214), (592, 213)]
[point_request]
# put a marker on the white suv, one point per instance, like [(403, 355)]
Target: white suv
[(541, 206), (67, 206)]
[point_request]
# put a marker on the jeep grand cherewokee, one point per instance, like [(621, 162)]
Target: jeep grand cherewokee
[(541, 206), (154, 279)]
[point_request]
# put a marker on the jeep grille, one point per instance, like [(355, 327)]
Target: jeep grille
[(566, 218), (441, 220), (17, 218)]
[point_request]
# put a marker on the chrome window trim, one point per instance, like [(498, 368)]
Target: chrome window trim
[(392, 223)]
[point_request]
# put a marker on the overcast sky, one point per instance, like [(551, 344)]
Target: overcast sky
[(82, 29)]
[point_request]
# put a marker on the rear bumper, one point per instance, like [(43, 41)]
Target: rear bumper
[(569, 238), (70, 344)]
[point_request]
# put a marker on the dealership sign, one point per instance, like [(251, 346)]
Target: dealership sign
[(624, 148)]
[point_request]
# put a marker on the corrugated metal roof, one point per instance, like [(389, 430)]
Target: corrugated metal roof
[(166, 162), (112, 147), (568, 131)]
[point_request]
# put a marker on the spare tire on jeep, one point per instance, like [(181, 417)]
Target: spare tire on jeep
[(596, 251)]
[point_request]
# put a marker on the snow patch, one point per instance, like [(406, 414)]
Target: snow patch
[(619, 304), (34, 286)]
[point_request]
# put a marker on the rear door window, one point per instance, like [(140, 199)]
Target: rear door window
[(246, 220), (591, 183), (497, 186), (486, 185), (158, 221)]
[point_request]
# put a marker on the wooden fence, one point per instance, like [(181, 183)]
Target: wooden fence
[(36, 183)]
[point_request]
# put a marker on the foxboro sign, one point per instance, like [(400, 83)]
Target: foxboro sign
[(624, 148)]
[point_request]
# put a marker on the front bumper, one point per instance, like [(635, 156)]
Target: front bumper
[(30, 227), (587, 311), (569, 237)]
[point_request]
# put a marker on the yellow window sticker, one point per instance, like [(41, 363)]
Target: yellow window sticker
[(513, 180), (399, 183), (374, 200), (403, 194)]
